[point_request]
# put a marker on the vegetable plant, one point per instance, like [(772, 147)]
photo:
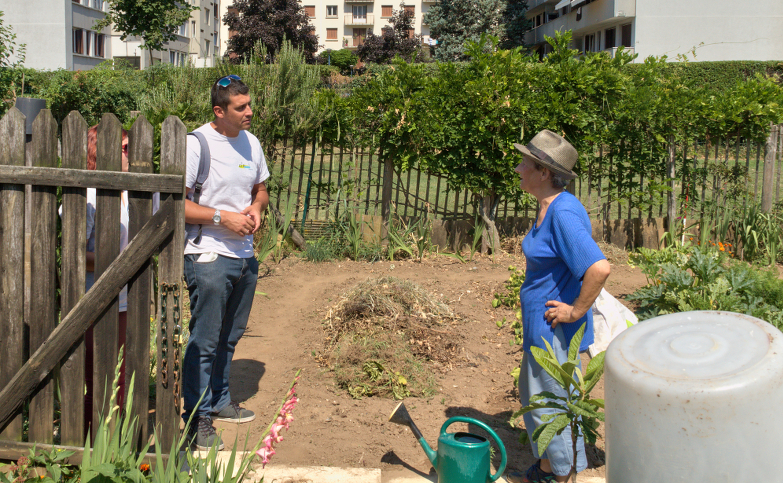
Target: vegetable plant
[(577, 410)]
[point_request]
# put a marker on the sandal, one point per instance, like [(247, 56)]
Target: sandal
[(534, 474)]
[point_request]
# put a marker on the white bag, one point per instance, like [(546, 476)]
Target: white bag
[(610, 317)]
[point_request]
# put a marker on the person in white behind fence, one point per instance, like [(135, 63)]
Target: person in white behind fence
[(220, 267)]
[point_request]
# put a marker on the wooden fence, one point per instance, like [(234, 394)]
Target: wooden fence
[(43, 347), (618, 183)]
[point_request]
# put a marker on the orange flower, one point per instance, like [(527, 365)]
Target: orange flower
[(145, 467), (721, 247)]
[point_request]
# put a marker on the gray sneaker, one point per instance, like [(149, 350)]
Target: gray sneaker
[(234, 414), (202, 435)]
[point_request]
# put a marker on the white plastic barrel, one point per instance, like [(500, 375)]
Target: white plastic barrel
[(696, 397)]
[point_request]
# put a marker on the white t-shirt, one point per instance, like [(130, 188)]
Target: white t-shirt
[(236, 166)]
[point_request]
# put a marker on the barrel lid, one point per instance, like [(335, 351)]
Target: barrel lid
[(696, 345)]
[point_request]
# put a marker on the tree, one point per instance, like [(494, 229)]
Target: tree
[(11, 57), (155, 21), (393, 41), (11, 54), (515, 24), (454, 22), (269, 22)]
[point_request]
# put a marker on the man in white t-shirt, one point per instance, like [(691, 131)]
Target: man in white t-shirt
[(220, 267)]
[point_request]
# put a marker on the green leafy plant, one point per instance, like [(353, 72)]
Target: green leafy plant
[(704, 278), (272, 240), (577, 410), (399, 238), (510, 298)]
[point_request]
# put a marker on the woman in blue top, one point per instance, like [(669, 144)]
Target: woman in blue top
[(565, 273)]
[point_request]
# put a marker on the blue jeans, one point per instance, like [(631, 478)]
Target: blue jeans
[(533, 380), (221, 296)]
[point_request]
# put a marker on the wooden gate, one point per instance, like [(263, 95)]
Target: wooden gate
[(42, 342)]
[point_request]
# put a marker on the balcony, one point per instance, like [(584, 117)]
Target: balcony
[(429, 1), (594, 16), (531, 4), (358, 1), (359, 21)]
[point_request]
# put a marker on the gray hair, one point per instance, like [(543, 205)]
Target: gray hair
[(558, 181)]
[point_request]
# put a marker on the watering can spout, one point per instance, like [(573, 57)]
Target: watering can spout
[(400, 416)]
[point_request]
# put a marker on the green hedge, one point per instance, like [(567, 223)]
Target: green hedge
[(721, 75)]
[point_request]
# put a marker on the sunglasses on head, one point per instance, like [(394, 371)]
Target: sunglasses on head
[(225, 81)]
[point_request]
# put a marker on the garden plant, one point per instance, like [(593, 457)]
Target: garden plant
[(577, 411)]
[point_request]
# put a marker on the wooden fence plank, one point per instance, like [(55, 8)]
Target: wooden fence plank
[(671, 198), (137, 341), (107, 247), (43, 265), (170, 272), (57, 345), (108, 180), (74, 249), (388, 179), (767, 181), (12, 202)]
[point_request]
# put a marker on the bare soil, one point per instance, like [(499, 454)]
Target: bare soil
[(286, 333)]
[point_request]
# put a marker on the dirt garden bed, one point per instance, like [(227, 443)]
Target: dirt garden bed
[(290, 328)]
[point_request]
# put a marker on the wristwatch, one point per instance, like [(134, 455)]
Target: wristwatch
[(216, 217)]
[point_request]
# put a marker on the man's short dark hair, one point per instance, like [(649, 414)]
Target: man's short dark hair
[(221, 96)]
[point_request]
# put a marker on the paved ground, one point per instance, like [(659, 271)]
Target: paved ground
[(326, 474)]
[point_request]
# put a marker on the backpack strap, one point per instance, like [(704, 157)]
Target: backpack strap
[(203, 172)]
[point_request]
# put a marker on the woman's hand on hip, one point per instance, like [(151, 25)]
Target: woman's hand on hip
[(560, 313)]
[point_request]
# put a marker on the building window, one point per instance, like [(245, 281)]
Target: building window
[(386, 11), (177, 58), (411, 9), (183, 30), (78, 41), (310, 10), (89, 42), (206, 11), (625, 34), (609, 38), (589, 43), (193, 28), (331, 34), (100, 46), (411, 33), (359, 13), (331, 11), (206, 48)]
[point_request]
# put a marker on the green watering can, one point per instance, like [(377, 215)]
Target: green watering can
[(461, 457)]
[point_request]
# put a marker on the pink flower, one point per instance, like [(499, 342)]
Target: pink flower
[(265, 453), (275, 432), (288, 418)]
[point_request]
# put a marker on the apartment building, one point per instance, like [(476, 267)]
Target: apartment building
[(710, 29), (344, 24), (60, 34), (198, 40)]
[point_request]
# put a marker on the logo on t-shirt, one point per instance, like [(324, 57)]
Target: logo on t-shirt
[(245, 166)]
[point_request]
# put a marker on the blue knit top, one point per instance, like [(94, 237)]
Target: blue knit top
[(558, 254)]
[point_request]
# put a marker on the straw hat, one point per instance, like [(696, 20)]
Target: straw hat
[(553, 152)]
